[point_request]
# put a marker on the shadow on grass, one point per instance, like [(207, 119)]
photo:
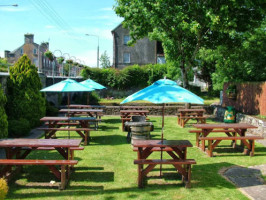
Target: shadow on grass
[(112, 121), (109, 140)]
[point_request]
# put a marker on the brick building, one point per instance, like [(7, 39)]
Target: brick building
[(142, 53), (36, 54)]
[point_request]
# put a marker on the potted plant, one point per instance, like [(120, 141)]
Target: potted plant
[(231, 91), (60, 59), (49, 55), (69, 61)]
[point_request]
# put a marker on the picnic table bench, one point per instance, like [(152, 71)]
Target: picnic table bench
[(234, 131), (18, 149), (177, 149), (184, 115)]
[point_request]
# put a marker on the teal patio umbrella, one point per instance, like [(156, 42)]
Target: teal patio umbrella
[(92, 84), (68, 85), (164, 91)]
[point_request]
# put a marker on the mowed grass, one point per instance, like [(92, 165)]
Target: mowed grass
[(106, 170)]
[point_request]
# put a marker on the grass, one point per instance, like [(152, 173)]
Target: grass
[(106, 171)]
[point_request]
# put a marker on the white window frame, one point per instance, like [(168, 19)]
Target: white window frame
[(126, 39), (21, 51), (126, 59)]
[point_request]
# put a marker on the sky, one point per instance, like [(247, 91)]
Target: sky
[(62, 23)]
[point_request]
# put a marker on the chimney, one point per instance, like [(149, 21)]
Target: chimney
[(6, 53), (29, 38)]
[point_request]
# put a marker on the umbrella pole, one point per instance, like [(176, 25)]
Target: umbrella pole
[(162, 139), (68, 103)]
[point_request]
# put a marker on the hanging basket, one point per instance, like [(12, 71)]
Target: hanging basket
[(49, 55), (69, 61), (60, 60), (231, 91)]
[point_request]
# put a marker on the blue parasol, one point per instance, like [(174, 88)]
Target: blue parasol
[(92, 84)]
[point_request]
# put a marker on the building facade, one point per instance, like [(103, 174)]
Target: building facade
[(35, 52), (143, 52)]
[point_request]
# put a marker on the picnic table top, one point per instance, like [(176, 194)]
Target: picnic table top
[(81, 110), (68, 118), (134, 111), (85, 106), (40, 142), (191, 110), (224, 125), (160, 143)]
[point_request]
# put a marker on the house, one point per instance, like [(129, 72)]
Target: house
[(35, 52), (143, 52)]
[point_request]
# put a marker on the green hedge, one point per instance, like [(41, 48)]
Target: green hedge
[(134, 76), (3, 116)]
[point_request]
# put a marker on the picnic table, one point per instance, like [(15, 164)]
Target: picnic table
[(56, 124), (81, 111), (87, 106), (177, 149), (127, 114), (233, 131), (18, 149), (184, 115)]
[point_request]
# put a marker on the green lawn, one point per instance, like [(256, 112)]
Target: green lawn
[(106, 170)]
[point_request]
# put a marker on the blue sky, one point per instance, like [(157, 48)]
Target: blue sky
[(63, 23)]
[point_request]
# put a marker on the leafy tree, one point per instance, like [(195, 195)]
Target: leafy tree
[(3, 116), (3, 65), (24, 97), (184, 27), (105, 60)]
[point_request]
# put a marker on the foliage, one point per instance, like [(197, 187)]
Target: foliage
[(49, 55), (3, 116), (105, 60), (3, 65), (69, 61), (231, 89), (3, 188), (18, 127), (23, 93), (51, 110), (184, 27), (60, 60)]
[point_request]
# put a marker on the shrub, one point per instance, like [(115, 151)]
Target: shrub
[(3, 188), (18, 128), (51, 110), (3, 116), (23, 93)]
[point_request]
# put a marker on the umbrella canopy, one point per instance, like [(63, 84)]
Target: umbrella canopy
[(164, 91), (92, 84), (67, 85)]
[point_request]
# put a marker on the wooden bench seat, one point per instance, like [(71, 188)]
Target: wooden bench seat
[(66, 129), (156, 149), (182, 166), (51, 164), (184, 119), (248, 141)]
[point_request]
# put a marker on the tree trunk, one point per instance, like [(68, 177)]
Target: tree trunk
[(184, 74)]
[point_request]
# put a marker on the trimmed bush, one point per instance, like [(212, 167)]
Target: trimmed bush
[(18, 128), (23, 93), (3, 116)]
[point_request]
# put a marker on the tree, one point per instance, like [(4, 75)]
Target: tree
[(184, 27), (3, 116), (105, 60), (25, 100), (3, 65)]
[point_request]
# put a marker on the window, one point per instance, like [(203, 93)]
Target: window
[(126, 39), (21, 51), (126, 58), (160, 59), (34, 51)]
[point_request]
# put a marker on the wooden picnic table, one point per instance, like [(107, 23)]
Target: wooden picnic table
[(177, 149), (18, 149), (233, 131), (184, 115), (88, 112), (86, 106), (56, 124), (127, 114)]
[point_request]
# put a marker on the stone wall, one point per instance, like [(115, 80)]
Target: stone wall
[(242, 118)]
